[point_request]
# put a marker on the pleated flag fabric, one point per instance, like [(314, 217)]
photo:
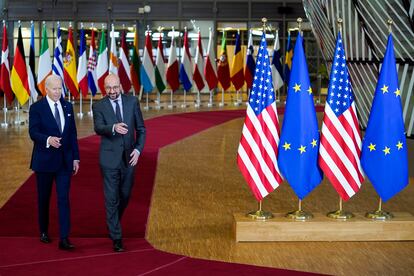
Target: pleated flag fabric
[(384, 148), (186, 68), (299, 141), (258, 149), (147, 69)]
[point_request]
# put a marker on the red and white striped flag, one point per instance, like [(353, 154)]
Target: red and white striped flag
[(258, 148), (198, 76), (340, 146), (210, 69), (5, 86), (123, 67)]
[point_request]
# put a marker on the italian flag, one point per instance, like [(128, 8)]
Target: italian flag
[(102, 64), (44, 67)]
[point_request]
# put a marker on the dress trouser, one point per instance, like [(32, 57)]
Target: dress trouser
[(117, 191), (44, 190)]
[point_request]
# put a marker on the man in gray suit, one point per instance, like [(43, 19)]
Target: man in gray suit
[(118, 120)]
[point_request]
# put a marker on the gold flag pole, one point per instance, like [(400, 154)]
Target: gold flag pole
[(299, 214), (340, 213), (260, 214), (379, 214)]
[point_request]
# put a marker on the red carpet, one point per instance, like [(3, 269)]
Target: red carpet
[(23, 254)]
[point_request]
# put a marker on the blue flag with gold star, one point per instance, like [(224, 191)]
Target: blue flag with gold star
[(299, 141), (384, 150)]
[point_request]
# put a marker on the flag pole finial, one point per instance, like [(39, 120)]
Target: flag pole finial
[(4, 22), (92, 25), (389, 23), (264, 21), (299, 21), (81, 25), (19, 23), (339, 22)]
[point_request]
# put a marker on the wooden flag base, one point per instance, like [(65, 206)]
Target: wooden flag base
[(323, 228)]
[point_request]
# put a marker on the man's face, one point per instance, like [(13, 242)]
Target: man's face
[(112, 87), (54, 89)]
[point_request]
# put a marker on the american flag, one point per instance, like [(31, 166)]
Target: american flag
[(340, 146), (257, 153)]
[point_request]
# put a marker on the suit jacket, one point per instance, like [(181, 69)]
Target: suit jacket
[(42, 124), (115, 146)]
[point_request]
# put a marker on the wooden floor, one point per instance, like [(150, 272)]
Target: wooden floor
[(198, 187)]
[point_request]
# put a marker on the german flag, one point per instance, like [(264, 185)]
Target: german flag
[(19, 80)]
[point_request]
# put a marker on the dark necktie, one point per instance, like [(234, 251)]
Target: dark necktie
[(57, 118), (118, 111)]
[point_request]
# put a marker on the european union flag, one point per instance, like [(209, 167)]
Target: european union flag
[(384, 149), (299, 141)]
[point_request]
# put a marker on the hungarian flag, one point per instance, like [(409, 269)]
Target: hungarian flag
[(5, 69), (92, 79), (210, 70), (186, 65), (198, 76), (113, 60), (102, 65), (173, 77), (69, 66), (223, 71), (136, 65), (250, 63), (147, 69), (44, 67), (19, 77), (237, 74), (82, 69), (123, 69), (160, 80)]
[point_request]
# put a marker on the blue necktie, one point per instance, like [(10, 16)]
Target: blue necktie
[(118, 111), (57, 118)]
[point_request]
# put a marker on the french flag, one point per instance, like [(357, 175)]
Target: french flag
[(186, 75), (82, 71)]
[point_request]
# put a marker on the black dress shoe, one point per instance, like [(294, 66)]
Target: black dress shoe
[(44, 238), (65, 244), (118, 247)]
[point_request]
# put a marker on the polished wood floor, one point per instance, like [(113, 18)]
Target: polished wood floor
[(197, 189)]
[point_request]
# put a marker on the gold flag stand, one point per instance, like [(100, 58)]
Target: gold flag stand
[(299, 214), (379, 214), (340, 213), (260, 214)]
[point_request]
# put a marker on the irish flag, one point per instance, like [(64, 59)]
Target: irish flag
[(44, 67)]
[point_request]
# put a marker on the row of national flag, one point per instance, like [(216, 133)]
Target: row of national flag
[(300, 154), (88, 73)]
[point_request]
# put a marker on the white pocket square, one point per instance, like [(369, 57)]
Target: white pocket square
[(69, 115)]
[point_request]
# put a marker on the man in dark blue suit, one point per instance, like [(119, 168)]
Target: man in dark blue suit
[(55, 156)]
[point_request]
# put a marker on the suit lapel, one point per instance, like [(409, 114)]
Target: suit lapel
[(124, 107), (49, 112), (108, 106), (65, 114)]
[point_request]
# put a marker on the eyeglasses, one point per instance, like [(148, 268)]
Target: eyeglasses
[(113, 88)]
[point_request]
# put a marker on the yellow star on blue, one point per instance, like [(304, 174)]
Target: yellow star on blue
[(309, 90), (286, 146), (371, 147), (399, 145), (302, 149), (314, 143), (384, 89), (397, 93), (386, 150), (296, 87)]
